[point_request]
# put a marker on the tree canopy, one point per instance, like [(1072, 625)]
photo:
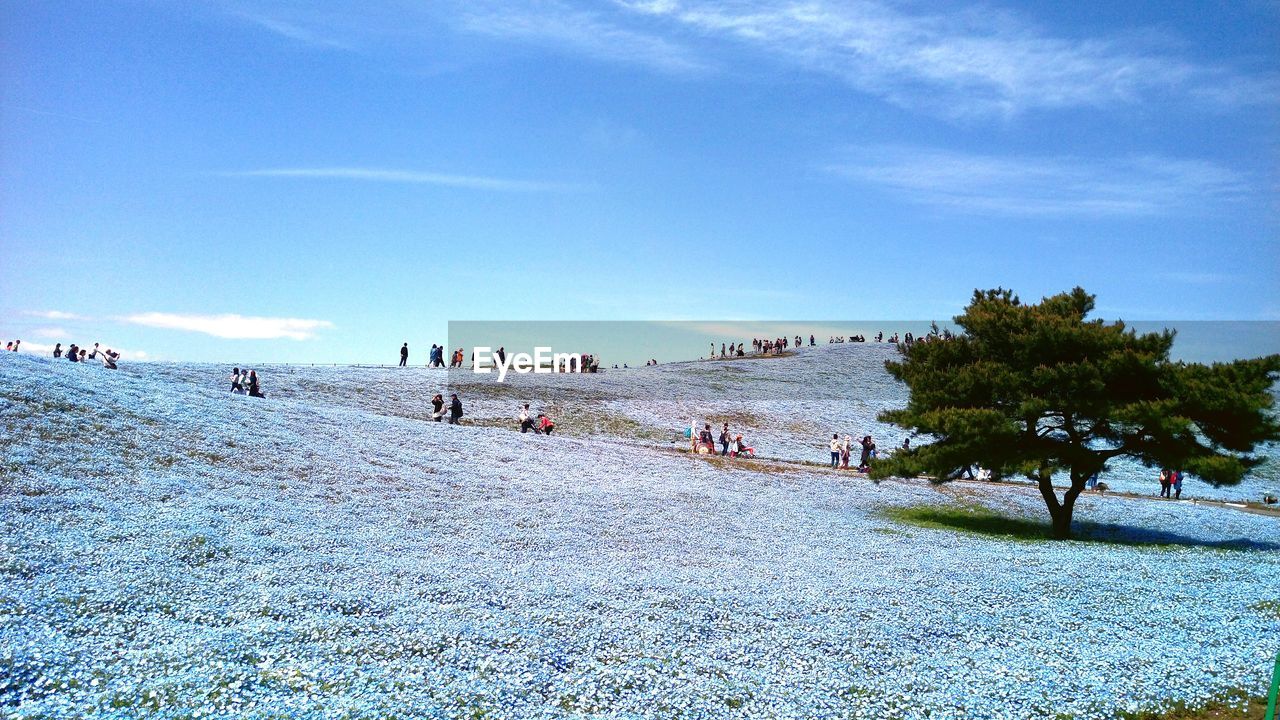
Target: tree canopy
[(1040, 389)]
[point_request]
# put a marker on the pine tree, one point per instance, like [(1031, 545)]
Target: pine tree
[(1036, 390)]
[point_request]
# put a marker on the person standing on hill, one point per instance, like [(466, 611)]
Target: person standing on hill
[(254, 389), (725, 439), (57, 350), (404, 354), (437, 407), (1164, 483), (1175, 477), (455, 410), (835, 450), (236, 387), (868, 448)]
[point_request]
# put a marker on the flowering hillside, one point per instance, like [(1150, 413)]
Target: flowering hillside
[(171, 550)]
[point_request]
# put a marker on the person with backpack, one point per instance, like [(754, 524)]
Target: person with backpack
[(455, 410)]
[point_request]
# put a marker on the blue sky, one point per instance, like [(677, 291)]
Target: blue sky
[(289, 181)]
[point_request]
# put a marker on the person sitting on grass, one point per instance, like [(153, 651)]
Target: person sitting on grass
[(740, 448)]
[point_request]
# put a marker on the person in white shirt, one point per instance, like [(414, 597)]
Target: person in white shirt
[(526, 422)]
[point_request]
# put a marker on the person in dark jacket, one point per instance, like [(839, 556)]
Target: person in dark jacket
[(404, 354), (455, 410), (254, 389), (57, 350), (725, 439)]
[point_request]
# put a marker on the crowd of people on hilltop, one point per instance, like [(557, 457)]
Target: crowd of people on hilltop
[(74, 353), (587, 362), (108, 357)]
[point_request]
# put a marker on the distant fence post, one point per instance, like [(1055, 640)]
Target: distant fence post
[(1275, 689)]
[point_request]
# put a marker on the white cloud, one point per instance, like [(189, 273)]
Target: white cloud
[(55, 315), (50, 332), (1064, 186), (562, 27), (411, 177), (231, 326), (959, 62), (303, 35)]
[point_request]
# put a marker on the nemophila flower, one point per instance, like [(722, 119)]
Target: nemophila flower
[(198, 552)]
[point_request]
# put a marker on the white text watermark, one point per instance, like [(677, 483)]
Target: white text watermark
[(542, 361)]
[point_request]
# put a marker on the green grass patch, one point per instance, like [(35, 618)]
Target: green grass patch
[(979, 519), (1233, 705)]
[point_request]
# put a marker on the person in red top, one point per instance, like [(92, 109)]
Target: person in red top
[(545, 426)]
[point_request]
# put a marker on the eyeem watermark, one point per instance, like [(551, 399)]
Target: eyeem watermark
[(542, 361)]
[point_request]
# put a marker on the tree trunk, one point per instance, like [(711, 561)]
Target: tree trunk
[(1060, 512)]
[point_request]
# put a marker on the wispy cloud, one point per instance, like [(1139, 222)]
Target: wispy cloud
[(385, 175), (1063, 186), (55, 315), (50, 332), (564, 28), (296, 33), (960, 62), (230, 326)]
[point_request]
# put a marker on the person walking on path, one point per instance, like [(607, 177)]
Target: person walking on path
[(404, 354), (835, 450), (455, 410)]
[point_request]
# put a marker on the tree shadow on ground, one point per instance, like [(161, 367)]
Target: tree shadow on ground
[(985, 521)]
